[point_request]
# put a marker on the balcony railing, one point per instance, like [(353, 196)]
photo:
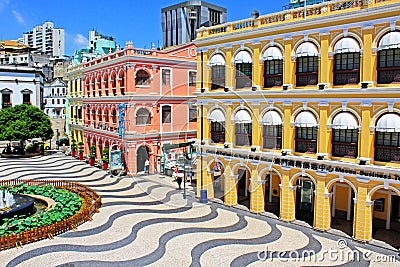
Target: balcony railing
[(306, 78), (348, 150), (388, 75), (288, 16), (387, 154), (343, 77), (218, 137), (306, 146), (273, 80)]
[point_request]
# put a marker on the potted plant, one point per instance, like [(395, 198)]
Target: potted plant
[(105, 158), (73, 148), (80, 150), (92, 155)]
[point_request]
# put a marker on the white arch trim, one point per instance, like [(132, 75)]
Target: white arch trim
[(272, 53), (301, 174), (344, 120), (376, 188), (143, 107), (333, 181), (243, 116), (243, 57), (272, 118), (389, 122), (216, 116), (217, 59), (305, 119), (390, 40), (347, 45), (307, 49)]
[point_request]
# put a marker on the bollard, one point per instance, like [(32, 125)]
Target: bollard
[(203, 196)]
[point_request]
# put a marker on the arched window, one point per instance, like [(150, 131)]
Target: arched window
[(121, 79), (306, 64), (114, 116), (244, 69), (98, 84), (243, 128), (389, 58), (272, 132), (142, 117), (347, 62), (142, 78), (106, 84), (345, 135), (306, 133), (106, 115), (273, 67), (217, 120), (387, 138), (217, 64)]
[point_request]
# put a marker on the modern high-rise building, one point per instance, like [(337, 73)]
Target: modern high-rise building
[(46, 39), (99, 45), (180, 21)]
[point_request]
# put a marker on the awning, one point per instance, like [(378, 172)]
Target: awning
[(389, 41), (272, 118), (216, 116), (344, 120), (388, 123), (217, 59), (347, 45), (272, 53), (305, 119), (307, 49), (243, 57), (242, 116)]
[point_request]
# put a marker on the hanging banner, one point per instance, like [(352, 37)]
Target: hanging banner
[(116, 160)]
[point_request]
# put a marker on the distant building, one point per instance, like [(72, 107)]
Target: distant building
[(21, 85), (99, 44), (300, 3), (46, 39), (55, 97), (180, 21)]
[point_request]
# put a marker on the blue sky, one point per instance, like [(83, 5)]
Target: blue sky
[(126, 20)]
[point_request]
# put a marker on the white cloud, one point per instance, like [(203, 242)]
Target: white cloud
[(81, 40), (18, 17), (3, 4)]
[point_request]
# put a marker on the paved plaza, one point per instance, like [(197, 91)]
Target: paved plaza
[(144, 221)]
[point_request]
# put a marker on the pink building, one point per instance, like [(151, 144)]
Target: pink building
[(157, 89)]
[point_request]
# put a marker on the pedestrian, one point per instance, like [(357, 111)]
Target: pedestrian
[(147, 166), (179, 181)]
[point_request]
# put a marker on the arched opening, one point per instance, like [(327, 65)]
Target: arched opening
[(114, 83), (142, 117), (386, 216), (272, 193), (347, 62), (306, 64), (142, 155), (217, 64), (142, 78), (217, 120), (106, 84), (342, 207), (273, 67), (304, 199), (387, 138), (306, 133), (388, 58), (217, 172), (244, 69), (121, 78), (345, 135), (243, 187), (272, 130), (243, 128)]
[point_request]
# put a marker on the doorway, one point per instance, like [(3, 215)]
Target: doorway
[(242, 188), (272, 194), (305, 200), (141, 156), (342, 208)]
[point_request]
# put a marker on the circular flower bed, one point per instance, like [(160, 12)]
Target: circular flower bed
[(67, 204)]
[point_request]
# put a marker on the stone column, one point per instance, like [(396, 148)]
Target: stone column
[(363, 217), (257, 133), (256, 192), (322, 217), (288, 207), (288, 130), (257, 69), (230, 186)]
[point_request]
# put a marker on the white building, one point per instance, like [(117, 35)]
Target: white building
[(180, 21), (55, 97), (46, 39), (21, 85)]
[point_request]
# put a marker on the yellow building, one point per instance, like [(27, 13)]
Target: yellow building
[(300, 116), (74, 118)]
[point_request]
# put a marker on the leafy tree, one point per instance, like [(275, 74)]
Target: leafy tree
[(24, 122)]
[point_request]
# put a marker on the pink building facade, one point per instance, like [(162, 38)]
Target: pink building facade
[(155, 87)]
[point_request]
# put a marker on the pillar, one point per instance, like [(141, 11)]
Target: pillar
[(288, 130), (288, 207), (229, 70), (366, 142), (230, 187), (257, 133), (229, 129), (323, 135), (367, 62), (325, 65), (257, 69), (363, 217), (288, 65), (206, 124), (206, 72), (256, 192), (322, 217)]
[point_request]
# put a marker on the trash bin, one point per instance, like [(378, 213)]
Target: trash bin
[(203, 196)]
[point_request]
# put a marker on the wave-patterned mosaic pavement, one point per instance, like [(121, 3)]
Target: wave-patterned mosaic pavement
[(146, 222)]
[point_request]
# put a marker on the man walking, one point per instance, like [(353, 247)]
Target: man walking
[(147, 166)]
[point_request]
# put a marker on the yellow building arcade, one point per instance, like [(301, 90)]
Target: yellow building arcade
[(300, 115)]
